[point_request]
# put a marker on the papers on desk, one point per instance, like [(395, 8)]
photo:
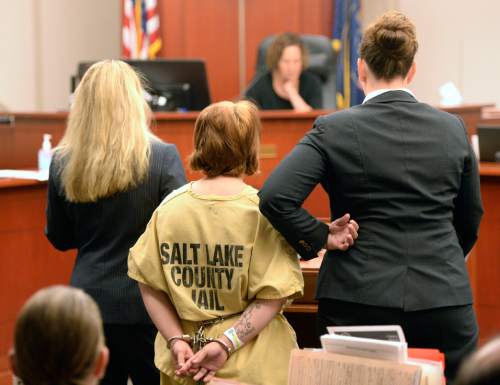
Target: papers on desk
[(377, 342), (25, 174), (372, 344), (323, 368), (378, 332)]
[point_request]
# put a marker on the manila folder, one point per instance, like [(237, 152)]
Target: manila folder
[(309, 367)]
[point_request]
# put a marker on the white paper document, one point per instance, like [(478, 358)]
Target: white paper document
[(377, 332), (377, 342), (24, 174), (365, 347), (322, 368)]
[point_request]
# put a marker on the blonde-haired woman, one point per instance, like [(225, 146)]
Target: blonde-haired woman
[(59, 339), (108, 175)]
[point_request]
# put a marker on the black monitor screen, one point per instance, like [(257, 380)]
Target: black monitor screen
[(489, 143), (171, 84)]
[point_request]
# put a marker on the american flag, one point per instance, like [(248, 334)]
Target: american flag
[(141, 29)]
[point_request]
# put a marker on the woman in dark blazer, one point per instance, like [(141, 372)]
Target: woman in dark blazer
[(406, 173), (108, 175)]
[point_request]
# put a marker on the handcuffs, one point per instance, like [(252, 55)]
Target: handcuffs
[(199, 340)]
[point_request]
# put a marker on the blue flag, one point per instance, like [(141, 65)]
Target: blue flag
[(346, 41)]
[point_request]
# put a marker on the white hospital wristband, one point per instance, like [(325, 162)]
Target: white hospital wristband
[(233, 337)]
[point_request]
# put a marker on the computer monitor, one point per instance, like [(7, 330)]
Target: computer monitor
[(171, 84), (489, 143)]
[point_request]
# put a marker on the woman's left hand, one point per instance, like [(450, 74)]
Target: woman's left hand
[(342, 233), (205, 363)]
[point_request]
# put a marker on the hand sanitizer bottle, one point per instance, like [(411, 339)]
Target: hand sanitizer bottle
[(45, 156)]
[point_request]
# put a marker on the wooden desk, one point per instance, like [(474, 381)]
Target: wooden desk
[(470, 113), (487, 258), (28, 262), (20, 141)]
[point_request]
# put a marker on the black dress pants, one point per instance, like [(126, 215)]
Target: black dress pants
[(453, 330), (131, 354)]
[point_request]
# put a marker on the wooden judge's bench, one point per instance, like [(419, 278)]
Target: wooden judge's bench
[(28, 262)]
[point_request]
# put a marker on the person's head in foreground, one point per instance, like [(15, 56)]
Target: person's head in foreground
[(483, 367), (387, 53), (59, 339), (226, 140)]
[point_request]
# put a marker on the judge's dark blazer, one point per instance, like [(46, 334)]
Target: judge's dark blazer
[(406, 173)]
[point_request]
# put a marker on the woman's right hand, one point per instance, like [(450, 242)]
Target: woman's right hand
[(182, 352), (291, 93), (342, 233), (204, 363), (290, 89)]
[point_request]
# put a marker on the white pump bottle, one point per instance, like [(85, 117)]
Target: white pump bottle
[(45, 155)]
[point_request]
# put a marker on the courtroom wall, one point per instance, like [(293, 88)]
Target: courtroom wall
[(42, 40), (459, 42), (226, 33), (17, 69)]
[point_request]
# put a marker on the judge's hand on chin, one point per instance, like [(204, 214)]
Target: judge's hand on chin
[(289, 88), (342, 233)]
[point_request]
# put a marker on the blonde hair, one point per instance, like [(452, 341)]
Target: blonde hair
[(106, 146), (226, 139), (58, 337)]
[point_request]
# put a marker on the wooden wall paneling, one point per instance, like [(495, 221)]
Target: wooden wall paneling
[(172, 19), (470, 114), (264, 18), (316, 17), (180, 133), (208, 29), (488, 266), (205, 29), (28, 261), (489, 322), (25, 136), (7, 138), (280, 132)]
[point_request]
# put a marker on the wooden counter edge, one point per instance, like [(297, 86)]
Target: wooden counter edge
[(489, 169), (14, 182)]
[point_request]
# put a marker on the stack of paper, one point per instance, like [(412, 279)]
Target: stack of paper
[(377, 342), (386, 343), (322, 368)]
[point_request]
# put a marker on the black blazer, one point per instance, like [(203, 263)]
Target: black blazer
[(406, 173), (104, 231)]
